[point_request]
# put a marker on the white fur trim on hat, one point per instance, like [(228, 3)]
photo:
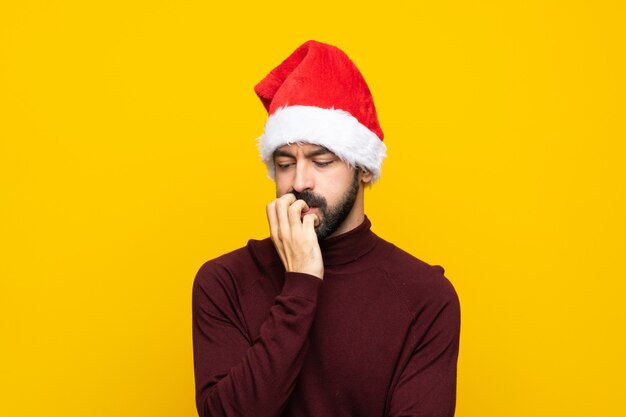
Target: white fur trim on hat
[(335, 129)]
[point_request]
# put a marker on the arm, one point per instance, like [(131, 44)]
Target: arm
[(239, 377), (236, 376), (427, 385)]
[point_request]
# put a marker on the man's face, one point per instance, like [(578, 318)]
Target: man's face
[(327, 184)]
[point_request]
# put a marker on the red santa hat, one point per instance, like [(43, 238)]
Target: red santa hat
[(317, 95)]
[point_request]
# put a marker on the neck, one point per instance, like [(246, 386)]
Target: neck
[(350, 246)]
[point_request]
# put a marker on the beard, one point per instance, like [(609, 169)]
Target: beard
[(330, 218)]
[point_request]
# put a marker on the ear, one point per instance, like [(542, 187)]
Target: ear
[(365, 176)]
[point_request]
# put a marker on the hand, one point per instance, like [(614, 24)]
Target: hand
[(295, 239)]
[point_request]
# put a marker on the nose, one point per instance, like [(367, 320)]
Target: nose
[(303, 179)]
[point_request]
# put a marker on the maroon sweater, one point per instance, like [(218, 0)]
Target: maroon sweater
[(379, 336)]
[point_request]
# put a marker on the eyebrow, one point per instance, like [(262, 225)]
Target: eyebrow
[(321, 150)]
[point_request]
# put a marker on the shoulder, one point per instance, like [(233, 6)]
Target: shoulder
[(235, 269), (419, 283)]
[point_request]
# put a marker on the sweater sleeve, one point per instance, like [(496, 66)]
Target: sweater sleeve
[(236, 376), (427, 385)]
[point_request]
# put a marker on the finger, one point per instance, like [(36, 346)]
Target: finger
[(289, 197), (273, 222), (309, 221), (270, 210), (282, 204), (295, 214), (274, 235)]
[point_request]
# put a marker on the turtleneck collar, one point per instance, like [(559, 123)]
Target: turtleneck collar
[(349, 246), (337, 250)]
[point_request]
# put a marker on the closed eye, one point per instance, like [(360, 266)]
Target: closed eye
[(284, 166), (322, 164)]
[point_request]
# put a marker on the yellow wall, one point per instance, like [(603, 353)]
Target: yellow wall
[(127, 159)]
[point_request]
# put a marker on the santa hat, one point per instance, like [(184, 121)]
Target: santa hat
[(317, 95)]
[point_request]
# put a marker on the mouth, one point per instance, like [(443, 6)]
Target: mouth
[(311, 210)]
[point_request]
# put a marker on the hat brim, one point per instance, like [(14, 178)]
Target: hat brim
[(335, 129)]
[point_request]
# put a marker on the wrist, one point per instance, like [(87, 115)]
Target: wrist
[(301, 285)]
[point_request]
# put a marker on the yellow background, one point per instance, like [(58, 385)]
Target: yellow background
[(128, 158)]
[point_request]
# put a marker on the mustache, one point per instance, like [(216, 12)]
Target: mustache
[(312, 200)]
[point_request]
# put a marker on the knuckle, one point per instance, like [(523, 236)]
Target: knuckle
[(296, 207), (282, 203), (288, 198)]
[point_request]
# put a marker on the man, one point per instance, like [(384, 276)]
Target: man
[(324, 318)]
